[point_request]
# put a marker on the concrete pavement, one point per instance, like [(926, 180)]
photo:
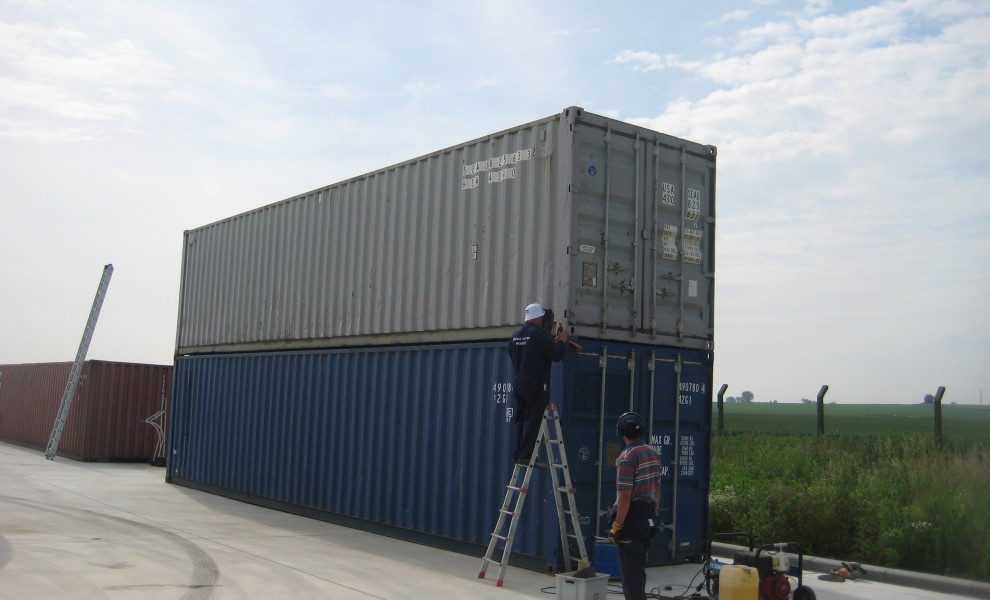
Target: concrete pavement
[(118, 531)]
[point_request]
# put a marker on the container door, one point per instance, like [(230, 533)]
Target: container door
[(607, 199), (680, 401), (599, 387), (679, 257), (642, 269), (670, 390)]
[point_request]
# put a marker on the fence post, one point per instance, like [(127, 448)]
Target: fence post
[(938, 415), (721, 399), (821, 410)]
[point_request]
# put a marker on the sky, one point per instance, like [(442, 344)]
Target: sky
[(853, 187)]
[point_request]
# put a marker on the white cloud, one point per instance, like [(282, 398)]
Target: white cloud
[(420, 89), (339, 93), (651, 61), (826, 95), (732, 16), (60, 85), (483, 83), (846, 220)]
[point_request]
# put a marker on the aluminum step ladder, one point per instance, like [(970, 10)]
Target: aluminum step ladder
[(70, 387), (515, 497)]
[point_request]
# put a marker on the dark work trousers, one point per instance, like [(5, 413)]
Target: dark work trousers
[(631, 548), (529, 417)]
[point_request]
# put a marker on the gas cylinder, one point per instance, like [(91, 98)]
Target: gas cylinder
[(738, 582)]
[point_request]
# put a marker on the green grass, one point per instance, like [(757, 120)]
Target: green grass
[(967, 423), (875, 488)]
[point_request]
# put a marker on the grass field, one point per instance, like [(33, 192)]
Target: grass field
[(968, 423), (876, 488)]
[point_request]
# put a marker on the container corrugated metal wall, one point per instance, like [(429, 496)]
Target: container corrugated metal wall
[(104, 421), (29, 399), (610, 224), (415, 441)]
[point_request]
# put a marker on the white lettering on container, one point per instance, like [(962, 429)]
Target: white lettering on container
[(501, 392), (499, 168), (504, 174), (693, 205), (669, 197), (692, 245), (670, 242), (686, 458)]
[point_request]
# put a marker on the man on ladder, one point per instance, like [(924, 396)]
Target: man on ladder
[(532, 351)]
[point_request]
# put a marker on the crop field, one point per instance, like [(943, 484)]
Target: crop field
[(876, 488)]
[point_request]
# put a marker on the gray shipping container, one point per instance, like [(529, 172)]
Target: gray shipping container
[(610, 224)]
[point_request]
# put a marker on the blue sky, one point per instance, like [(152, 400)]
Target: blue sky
[(853, 234)]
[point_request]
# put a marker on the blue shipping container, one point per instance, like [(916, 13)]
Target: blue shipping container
[(414, 441)]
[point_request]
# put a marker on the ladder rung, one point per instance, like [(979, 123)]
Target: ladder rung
[(492, 560), (507, 512), (501, 537)]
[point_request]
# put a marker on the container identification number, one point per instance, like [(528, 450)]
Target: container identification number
[(501, 392), (688, 391), (693, 204), (499, 168)]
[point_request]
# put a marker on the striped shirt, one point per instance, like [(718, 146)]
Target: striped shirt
[(638, 470)]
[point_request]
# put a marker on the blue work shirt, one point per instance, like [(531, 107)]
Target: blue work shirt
[(533, 350)]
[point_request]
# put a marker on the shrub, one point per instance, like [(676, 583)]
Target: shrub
[(892, 501)]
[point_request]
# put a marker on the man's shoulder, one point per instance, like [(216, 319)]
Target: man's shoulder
[(520, 333), (528, 330), (641, 448)]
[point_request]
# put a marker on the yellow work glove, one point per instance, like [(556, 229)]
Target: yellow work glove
[(614, 531)]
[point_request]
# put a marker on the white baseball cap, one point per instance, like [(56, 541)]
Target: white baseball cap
[(534, 311)]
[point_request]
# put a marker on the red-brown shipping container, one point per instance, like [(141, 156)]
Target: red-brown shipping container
[(115, 414)]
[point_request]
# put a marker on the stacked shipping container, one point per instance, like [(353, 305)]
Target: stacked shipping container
[(107, 417), (342, 353)]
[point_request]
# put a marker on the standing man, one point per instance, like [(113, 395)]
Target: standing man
[(532, 350), (637, 504)]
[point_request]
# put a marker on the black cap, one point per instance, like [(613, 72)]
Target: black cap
[(629, 425)]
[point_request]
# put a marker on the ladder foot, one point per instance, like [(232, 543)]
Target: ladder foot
[(499, 583)]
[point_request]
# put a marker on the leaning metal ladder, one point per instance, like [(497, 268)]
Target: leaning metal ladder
[(518, 487), (70, 387)]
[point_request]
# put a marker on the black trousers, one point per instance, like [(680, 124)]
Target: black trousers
[(631, 549), (529, 417), (632, 563)]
